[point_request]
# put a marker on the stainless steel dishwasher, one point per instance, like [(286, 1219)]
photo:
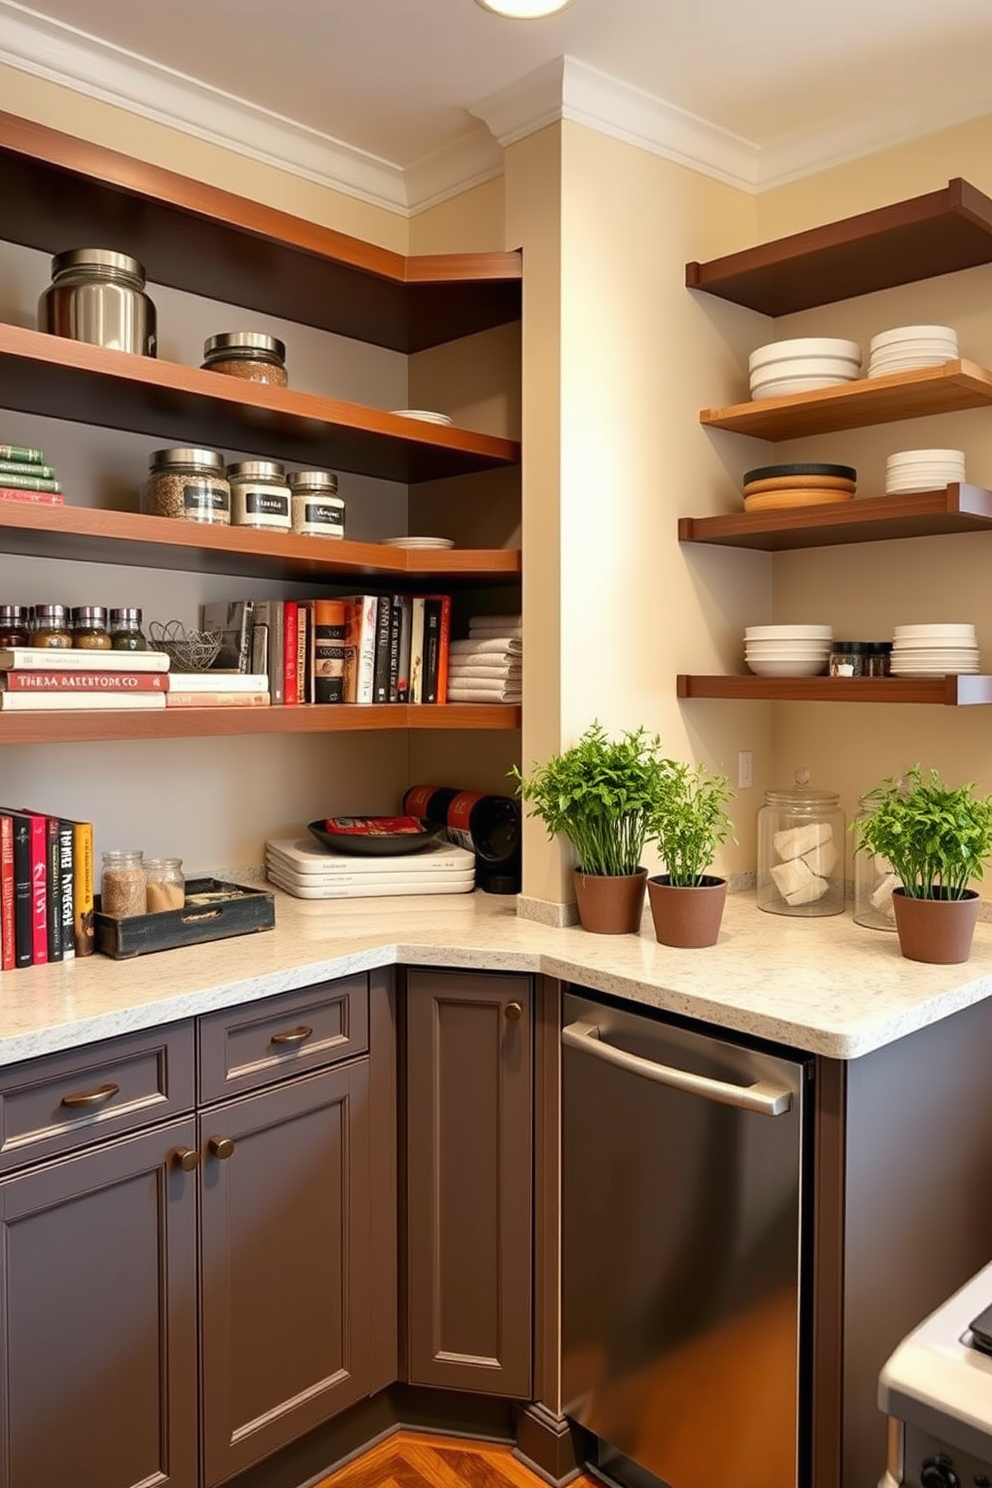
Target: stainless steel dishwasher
[(681, 1252)]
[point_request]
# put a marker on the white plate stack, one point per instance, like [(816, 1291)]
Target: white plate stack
[(418, 542), (802, 365), (934, 650), (787, 650), (923, 470), (425, 415), (906, 348)]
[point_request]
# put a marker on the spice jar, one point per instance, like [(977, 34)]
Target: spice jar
[(97, 295), (51, 627), (165, 886), (125, 630), (874, 881), (801, 851), (259, 495), (14, 626), (860, 658), (251, 355), (122, 884), (187, 483), (88, 624), (318, 510)]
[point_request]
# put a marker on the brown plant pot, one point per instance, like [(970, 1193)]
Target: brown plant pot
[(936, 930), (610, 905), (687, 917)]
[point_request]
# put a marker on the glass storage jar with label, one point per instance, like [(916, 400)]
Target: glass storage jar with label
[(801, 851), (259, 495), (318, 510), (250, 355), (189, 484)]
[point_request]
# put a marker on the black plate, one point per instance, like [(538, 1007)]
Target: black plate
[(384, 845), (769, 472)]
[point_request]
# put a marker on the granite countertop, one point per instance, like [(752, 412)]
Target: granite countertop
[(823, 985)]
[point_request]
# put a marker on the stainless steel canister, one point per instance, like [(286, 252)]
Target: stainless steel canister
[(97, 295)]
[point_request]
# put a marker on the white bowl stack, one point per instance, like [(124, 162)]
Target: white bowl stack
[(934, 650), (802, 365), (923, 470), (787, 650), (905, 348)]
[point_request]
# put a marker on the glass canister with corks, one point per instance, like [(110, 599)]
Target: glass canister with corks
[(801, 851)]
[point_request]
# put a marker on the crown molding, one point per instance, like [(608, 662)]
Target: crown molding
[(471, 160)]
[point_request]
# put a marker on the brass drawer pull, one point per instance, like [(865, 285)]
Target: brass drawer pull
[(221, 1147), (514, 1011), (186, 1158), (91, 1097), (293, 1035)]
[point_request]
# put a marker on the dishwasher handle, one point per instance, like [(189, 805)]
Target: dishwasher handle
[(765, 1099)]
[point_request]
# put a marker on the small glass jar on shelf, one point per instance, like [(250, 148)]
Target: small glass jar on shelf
[(51, 627), (125, 630), (14, 626), (88, 624)]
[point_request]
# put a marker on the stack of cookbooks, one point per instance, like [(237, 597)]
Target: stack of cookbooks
[(25, 476), (37, 678)]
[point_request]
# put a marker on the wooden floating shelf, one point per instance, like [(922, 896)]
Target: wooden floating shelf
[(955, 692), (190, 236), (89, 535), (955, 508), (949, 388), (74, 727), (938, 233), (64, 379)]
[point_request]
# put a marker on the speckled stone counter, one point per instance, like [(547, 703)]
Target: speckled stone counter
[(826, 986)]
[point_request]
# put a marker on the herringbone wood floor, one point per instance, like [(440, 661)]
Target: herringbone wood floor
[(411, 1460)]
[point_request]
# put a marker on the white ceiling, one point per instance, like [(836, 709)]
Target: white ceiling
[(410, 82)]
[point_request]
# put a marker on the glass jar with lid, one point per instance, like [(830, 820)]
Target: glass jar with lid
[(122, 884), (88, 624), (165, 885), (98, 295), (14, 626), (259, 495), (187, 483), (318, 510), (874, 881), (125, 630), (801, 851), (51, 627), (250, 355)]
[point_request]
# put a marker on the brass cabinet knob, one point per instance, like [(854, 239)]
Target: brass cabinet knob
[(221, 1147), (187, 1158), (514, 1011)]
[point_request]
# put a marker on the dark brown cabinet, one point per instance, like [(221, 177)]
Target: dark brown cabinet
[(469, 1179), (98, 1317)]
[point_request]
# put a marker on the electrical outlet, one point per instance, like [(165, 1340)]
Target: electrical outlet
[(745, 769)]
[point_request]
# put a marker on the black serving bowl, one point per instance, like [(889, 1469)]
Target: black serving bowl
[(377, 844)]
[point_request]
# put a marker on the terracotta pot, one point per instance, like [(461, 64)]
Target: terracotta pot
[(610, 905), (936, 930), (687, 917)]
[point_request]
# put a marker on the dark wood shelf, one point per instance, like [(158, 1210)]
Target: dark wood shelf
[(949, 388), (955, 508), (192, 723), (953, 692), (87, 535), (58, 191), (50, 375), (937, 233)]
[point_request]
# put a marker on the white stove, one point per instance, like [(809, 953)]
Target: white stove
[(936, 1390)]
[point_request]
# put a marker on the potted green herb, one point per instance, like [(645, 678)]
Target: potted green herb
[(602, 795), (689, 824), (938, 839)]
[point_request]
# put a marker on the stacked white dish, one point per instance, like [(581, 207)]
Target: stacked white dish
[(923, 470), (934, 650), (907, 347), (802, 365), (310, 871), (424, 414), (787, 650), (418, 542)]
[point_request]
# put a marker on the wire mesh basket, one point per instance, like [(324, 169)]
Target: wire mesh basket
[(187, 650)]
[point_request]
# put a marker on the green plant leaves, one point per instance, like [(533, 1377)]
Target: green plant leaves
[(936, 837)]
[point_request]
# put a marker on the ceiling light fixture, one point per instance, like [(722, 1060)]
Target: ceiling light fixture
[(524, 10)]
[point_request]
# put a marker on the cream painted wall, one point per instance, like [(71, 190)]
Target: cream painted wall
[(471, 222)]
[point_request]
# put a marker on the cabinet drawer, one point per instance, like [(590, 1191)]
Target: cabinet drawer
[(64, 1101), (254, 1045)]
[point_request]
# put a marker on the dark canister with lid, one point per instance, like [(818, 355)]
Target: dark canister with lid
[(251, 355), (801, 851), (98, 295), (487, 825), (14, 626)]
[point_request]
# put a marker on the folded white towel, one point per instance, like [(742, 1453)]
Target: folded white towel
[(486, 632), (488, 663), (474, 691), (508, 645), (485, 674), (490, 622)]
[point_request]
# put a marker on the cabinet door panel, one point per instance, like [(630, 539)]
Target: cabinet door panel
[(469, 1175), (285, 1284), (98, 1319)]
